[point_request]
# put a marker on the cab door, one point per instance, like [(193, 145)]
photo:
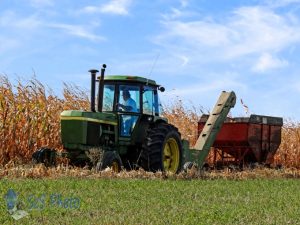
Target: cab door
[(150, 101), (128, 106)]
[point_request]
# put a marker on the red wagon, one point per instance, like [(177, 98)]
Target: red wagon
[(245, 140)]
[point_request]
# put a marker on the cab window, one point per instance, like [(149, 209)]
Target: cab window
[(108, 97), (150, 101), (129, 98)]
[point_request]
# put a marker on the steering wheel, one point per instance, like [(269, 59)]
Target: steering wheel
[(119, 108)]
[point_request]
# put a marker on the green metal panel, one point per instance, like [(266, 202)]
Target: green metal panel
[(103, 117), (186, 151), (129, 78), (73, 131), (84, 128)]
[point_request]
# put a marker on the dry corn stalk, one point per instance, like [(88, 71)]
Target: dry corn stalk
[(29, 117)]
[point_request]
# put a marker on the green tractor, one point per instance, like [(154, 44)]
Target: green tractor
[(125, 129)]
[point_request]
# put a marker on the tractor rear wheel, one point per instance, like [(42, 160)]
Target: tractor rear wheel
[(110, 159), (162, 149)]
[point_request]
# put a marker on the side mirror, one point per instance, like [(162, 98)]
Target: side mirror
[(162, 89)]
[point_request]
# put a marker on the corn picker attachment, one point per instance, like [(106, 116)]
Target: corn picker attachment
[(198, 154), (124, 129)]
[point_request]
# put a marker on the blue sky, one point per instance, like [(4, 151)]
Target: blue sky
[(195, 48)]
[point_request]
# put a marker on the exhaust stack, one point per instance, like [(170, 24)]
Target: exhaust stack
[(101, 87), (93, 86)]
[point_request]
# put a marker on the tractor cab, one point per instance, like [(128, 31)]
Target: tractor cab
[(131, 98)]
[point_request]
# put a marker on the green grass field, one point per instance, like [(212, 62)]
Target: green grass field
[(138, 201)]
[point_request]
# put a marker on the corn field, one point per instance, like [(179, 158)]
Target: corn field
[(30, 119)]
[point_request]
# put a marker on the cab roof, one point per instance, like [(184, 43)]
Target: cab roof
[(128, 78)]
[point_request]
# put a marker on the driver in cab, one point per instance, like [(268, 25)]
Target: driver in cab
[(129, 105)]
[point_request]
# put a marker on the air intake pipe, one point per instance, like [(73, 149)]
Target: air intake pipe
[(93, 86), (101, 87)]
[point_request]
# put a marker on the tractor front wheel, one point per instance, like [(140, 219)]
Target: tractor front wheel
[(110, 159)]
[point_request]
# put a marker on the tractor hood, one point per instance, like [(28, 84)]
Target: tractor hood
[(107, 118), (85, 128)]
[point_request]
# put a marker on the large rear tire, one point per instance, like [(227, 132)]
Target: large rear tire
[(162, 149)]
